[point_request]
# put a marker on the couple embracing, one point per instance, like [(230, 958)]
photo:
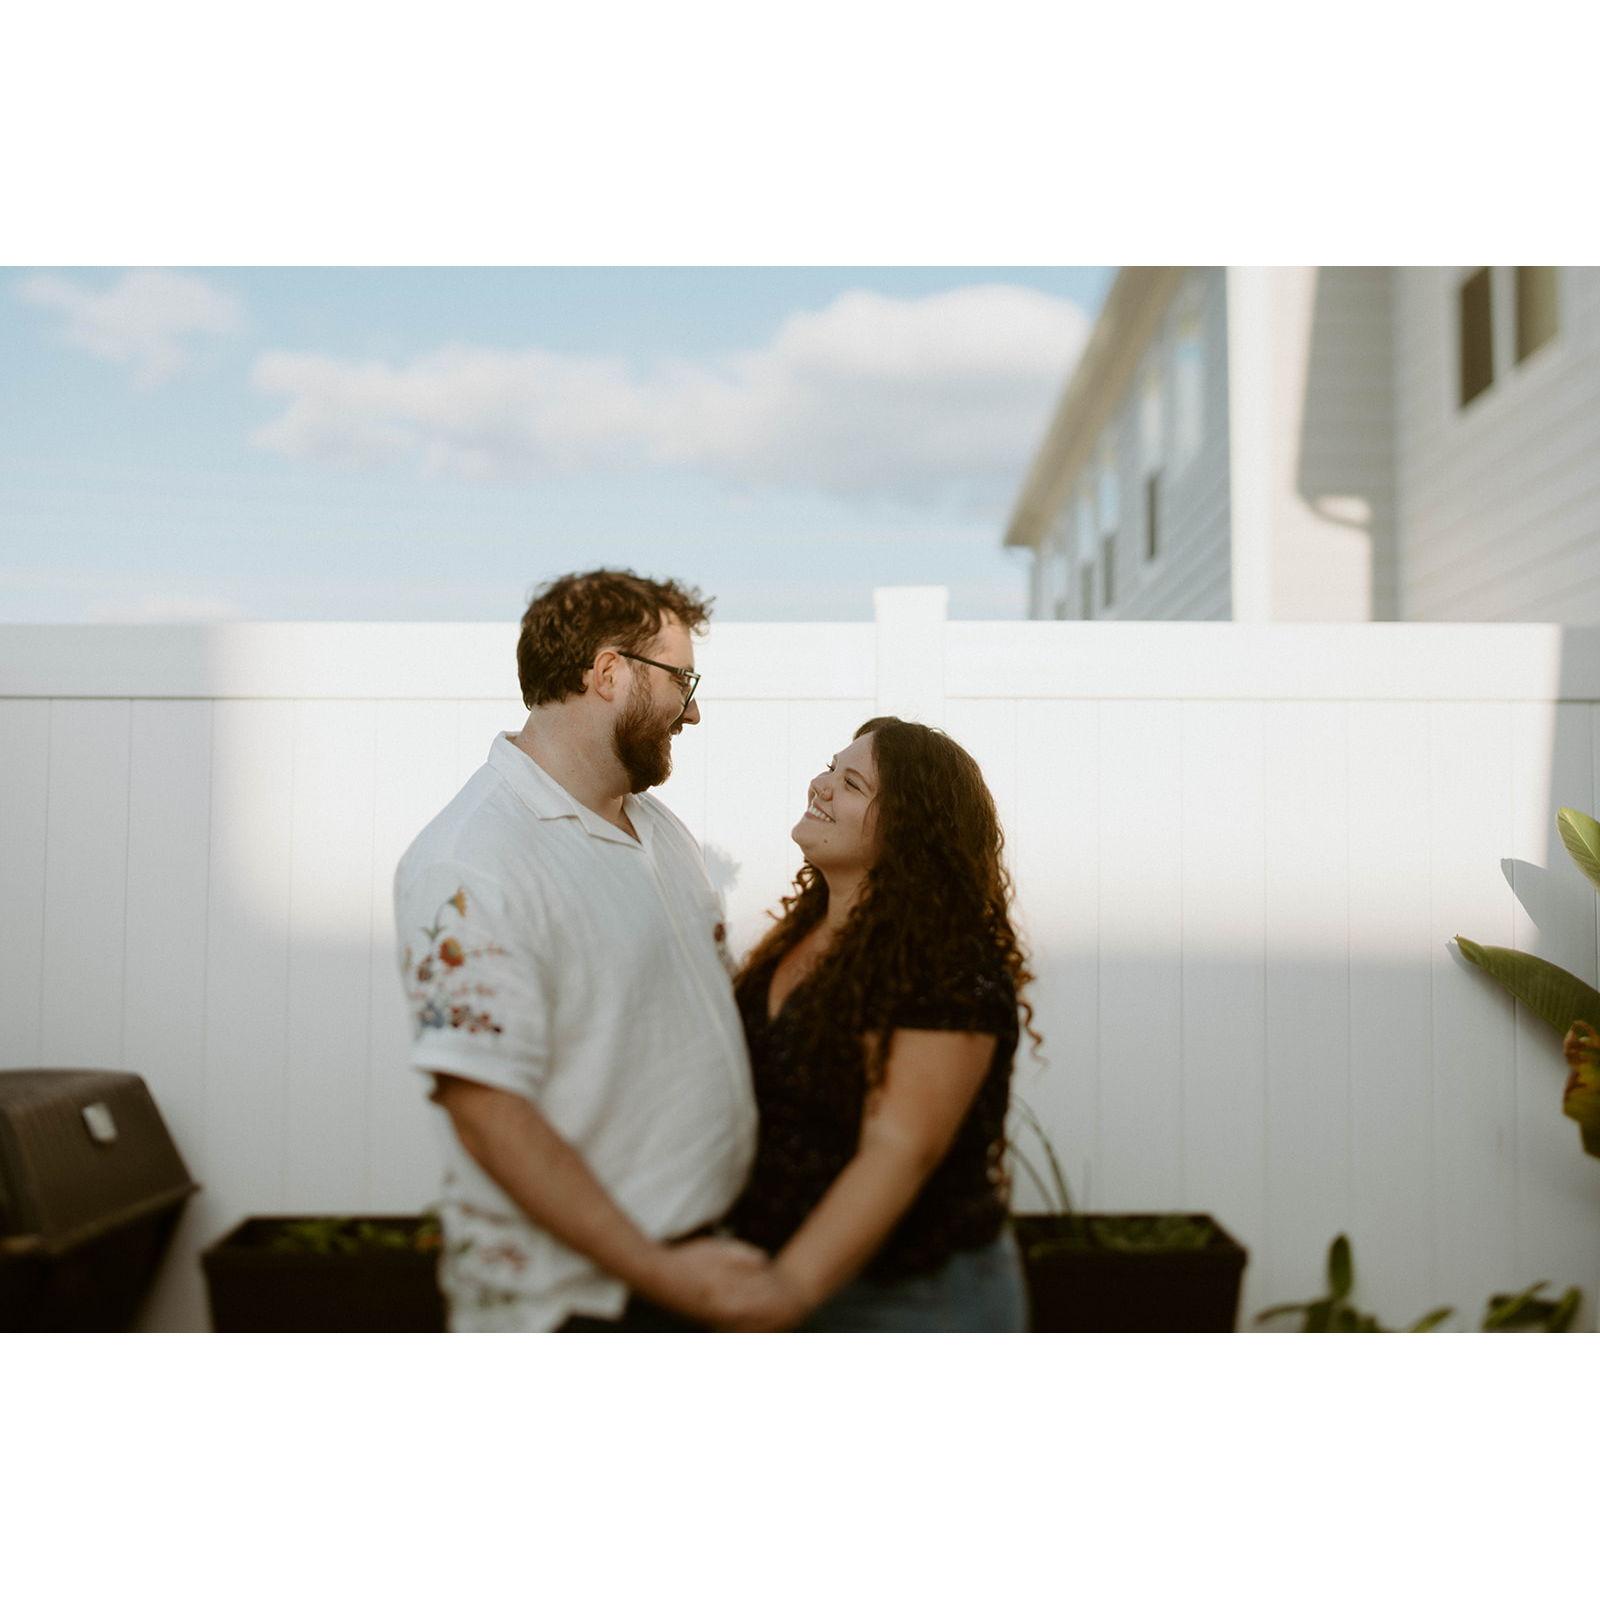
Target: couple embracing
[(639, 1134)]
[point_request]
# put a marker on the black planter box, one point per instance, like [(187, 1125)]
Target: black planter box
[(1078, 1285), (256, 1289)]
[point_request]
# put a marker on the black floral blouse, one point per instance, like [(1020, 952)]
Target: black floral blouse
[(810, 1086)]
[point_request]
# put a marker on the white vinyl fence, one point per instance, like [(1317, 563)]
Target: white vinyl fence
[(1240, 853)]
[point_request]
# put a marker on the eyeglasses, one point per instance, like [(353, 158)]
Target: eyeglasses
[(687, 681)]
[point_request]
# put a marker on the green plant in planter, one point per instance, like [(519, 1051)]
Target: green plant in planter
[(348, 1236), (326, 1274), (1056, 1193), (1155, 1233), (1157, 1272), (1565, 1001), (1334, 1313)]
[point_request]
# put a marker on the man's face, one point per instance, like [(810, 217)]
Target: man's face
[(642, 734)]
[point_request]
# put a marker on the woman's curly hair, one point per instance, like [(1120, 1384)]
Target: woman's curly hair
[(937, 899)]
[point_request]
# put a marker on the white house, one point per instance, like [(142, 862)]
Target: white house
[(1327, 444)]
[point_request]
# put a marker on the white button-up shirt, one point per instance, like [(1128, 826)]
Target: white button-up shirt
[(546, 952)]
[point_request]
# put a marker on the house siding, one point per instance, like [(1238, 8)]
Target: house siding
[(1190, 576), (1333, 523), (1499, 502)]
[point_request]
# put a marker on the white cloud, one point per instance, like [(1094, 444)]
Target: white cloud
[(146, 319), (460, 410), (910, 400)]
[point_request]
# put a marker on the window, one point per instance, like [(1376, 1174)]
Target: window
[(1084, 550), (1476, 324), (1084, 542), (1109, 496), (1152, 420), (1188, 378), (1538, 316), (1056, 573)]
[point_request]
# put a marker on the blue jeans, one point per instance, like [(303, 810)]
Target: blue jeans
[(975, 1291)]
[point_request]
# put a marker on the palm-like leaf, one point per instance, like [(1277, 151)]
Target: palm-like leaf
[(1581, 835), (1545, 989), (1581, 1100)]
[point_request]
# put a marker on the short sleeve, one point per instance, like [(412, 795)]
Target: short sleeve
[(974, 997), (474, 967)]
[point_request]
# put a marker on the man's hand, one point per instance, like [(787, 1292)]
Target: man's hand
[(723, 1282)]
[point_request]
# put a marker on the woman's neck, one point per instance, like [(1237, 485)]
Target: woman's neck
[(844, 890)]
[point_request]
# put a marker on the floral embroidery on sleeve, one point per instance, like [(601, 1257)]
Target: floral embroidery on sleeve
[(443, 992)]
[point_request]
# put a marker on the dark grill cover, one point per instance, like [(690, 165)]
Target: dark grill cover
[(81, 1154)]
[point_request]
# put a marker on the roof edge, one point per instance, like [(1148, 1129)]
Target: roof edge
[(1127, 319)]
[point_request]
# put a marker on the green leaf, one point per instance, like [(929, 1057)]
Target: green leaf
[(1428, 1323), (1319, 1316), (1031, 1172), (1063, 1195), (1581, 835), (1341, 1274), (1566, 1309), (1282, 1311), (1544, 988), (1511, 1309)]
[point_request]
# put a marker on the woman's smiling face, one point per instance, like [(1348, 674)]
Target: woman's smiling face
[(839, 827)]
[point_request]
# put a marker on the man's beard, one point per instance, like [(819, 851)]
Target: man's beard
[(643, 744)]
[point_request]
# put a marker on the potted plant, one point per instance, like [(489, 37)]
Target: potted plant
[(327, 1274), (1122, 1272), (1505, 1313), (1565, 1001)]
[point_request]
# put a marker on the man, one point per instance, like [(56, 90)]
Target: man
[(566, 964)]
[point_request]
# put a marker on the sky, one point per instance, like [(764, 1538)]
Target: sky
[(428, 444)]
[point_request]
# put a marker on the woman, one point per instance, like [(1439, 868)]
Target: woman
[(881, 1014)]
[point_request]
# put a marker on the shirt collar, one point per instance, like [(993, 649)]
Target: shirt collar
[(548, 800)]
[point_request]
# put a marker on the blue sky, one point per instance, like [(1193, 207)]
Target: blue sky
[(427, 444)]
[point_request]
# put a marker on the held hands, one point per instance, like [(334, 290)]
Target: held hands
[(730, 1285)]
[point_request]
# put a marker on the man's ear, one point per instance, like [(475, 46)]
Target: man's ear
[(605, 675)]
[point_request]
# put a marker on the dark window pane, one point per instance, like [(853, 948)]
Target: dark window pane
[(1152, 519), (1477, 336), (1538, 315)]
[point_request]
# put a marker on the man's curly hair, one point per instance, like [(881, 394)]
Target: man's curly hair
[(570, 618), (935, 904)]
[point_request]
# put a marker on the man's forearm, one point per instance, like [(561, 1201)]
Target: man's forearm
[(555, 1187)]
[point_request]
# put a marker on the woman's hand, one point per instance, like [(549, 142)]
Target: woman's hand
[(721, 1282), (785, 1305)]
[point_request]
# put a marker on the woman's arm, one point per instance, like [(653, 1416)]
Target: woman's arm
[(930, 1080)]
